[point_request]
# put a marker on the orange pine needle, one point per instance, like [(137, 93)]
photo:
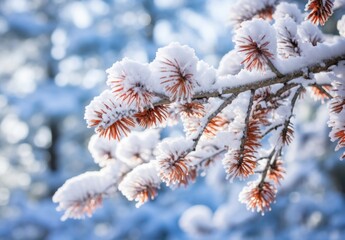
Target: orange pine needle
[(259, 196), (116, 130), (321, 10), (255, 55), (240, 165), (338, 106), (177, 83), (276, 171), (174, 171), (319, 94), (190, 178), (266, 12), (136, 93), (152, 116), (192, 109), (146, 194), (214, 126)]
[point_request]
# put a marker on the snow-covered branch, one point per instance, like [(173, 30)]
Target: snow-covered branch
[(316, 67), (228, 114)]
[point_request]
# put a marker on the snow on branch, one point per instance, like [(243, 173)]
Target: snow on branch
[(141, 184), (240, 114), (245, 10), (176, 66), (130, 82), (83, 194), (337, 110), (285, 9), (110, 118), (256, 44)]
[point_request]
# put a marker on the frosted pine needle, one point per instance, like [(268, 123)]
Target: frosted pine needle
[(138, 147), (238, 166), (152, 117), (320, 10), (310, 33), (337, 116), (141, 184), (276, 171), (109, 117), (258, 196), (286, 135), (248, 9), (215, 125), (176, 67), (240, 161), (172, 164), (288, 40), (256, 44), (129, 81), (192, 109), (320, 94), (82, 195), (102, 150)]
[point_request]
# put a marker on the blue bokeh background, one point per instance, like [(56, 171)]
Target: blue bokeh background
[(53, 56)]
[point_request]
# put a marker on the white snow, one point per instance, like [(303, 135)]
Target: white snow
[(341, 26), (128, 75), (138, 147), (80, 195), (285, 9), (138, 181)]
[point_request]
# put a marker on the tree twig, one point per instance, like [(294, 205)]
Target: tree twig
[(282, 90), (271, 129), (288, 120), (267, 167), (246, 122), (273, 68), (212, 156), (322, 90), (226, 102)]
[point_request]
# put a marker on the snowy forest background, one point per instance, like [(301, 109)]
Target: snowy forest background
[(52, 60)]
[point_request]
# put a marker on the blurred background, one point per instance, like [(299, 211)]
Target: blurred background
[(53, 56)]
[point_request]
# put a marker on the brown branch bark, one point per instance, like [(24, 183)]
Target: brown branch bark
[(216, 153), (271, 129), (282, 90), (322, 90), (246, 121), (273, 68), (267, 167)]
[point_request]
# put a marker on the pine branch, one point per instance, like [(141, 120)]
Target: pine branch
[(246, 122), (273, 68), (226, 102), (208, 158), (287, 77), (294, 100), (272, 158), (279, 153), (282, 90), (271, 129), (287, 127), (267, 167)]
